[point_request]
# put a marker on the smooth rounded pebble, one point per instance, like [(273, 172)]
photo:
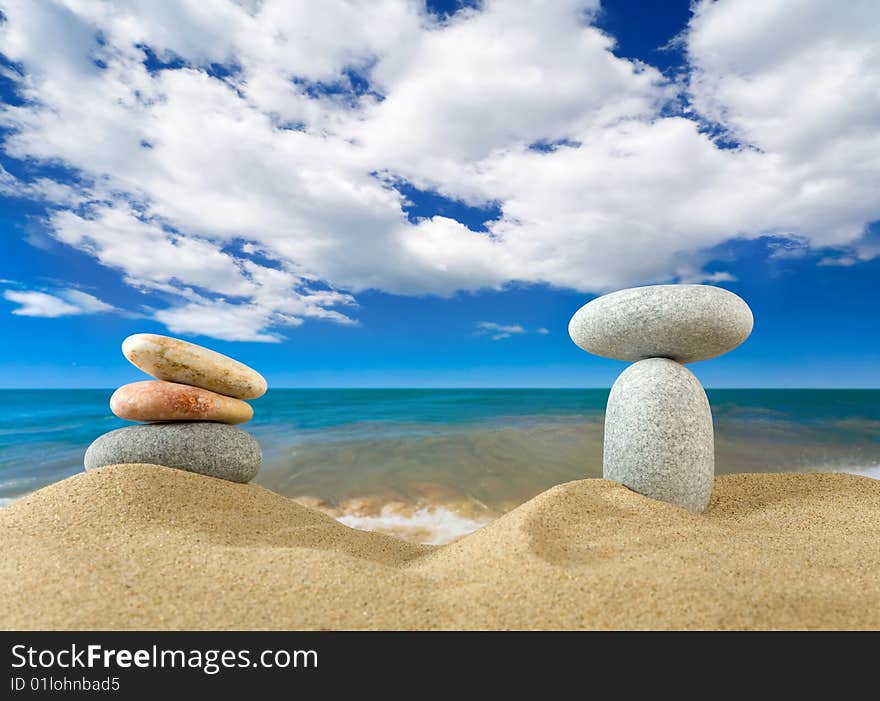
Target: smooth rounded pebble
[(658, 434), (157, 400), (174, 360), (212, 449), (685, 323)]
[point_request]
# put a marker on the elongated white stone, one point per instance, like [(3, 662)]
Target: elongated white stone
[(171, 359), (658, 434)]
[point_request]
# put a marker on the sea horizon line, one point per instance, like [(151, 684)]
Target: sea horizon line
[(463, 387)]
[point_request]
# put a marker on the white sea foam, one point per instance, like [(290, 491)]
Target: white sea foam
[(6, 501), (869, 471), (430, 525), (13, 483)]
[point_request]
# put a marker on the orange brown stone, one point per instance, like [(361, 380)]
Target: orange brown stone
[(158, 400)]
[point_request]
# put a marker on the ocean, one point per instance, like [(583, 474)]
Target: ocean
[(433, 464)]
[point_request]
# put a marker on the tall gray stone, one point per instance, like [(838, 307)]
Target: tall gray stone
[(658, 434)]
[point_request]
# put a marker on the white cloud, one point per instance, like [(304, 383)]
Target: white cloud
[(89, 304), (498, 331), (866, 248), (220, 319), (67, 302), (151, 257), (148, 254), (799, 80), (38, 189), (251, 191)]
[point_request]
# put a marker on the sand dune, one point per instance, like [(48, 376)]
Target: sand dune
[(147, 547)]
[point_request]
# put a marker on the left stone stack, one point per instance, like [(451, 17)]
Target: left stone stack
[(189, 410)]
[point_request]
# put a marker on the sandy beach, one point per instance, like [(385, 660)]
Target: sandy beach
[(147, 547)]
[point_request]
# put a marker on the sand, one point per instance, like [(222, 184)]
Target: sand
[(147, 547)]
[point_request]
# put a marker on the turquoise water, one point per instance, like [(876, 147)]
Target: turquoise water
[(473, 452)]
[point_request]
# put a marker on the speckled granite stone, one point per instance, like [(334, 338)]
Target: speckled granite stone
[(682, 322), (212, 449), (658, 434)]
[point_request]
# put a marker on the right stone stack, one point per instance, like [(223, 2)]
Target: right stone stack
[(659, 438)]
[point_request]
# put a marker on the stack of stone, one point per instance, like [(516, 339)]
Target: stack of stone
[(658, 426), (188, 410)]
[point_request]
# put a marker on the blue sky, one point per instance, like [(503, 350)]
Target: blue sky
[(425, 197)]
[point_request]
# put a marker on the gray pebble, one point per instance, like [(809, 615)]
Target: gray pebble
[(658, 434), (213, 449), (683, 322)]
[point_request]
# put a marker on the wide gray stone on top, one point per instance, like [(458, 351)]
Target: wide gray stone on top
[(213, 449), (658, 434), (685, 323)]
